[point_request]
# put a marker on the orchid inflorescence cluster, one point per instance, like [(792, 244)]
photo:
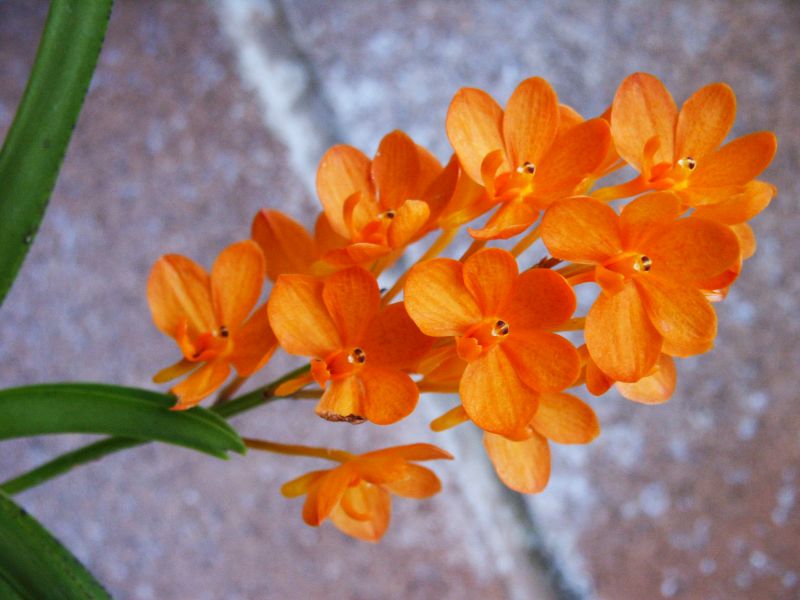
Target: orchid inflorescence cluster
[(487, 325)]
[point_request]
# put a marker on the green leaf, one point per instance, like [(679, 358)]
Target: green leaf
[(112, 410), (34, 565), (37, 140)]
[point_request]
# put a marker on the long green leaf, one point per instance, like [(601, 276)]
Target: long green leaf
[(34, 148), (112, 410), (34, 565), (97, 450)]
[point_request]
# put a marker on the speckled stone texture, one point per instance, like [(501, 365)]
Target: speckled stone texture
[(693, 499)]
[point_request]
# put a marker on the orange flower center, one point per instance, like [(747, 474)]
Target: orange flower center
[(629, 264), (516, 185), (207, 345), (480, 338), (338, 365), (376, 231)]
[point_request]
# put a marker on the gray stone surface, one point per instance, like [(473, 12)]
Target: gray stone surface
[(694, 499)]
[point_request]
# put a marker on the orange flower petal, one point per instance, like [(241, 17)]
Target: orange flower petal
[(300, 485), (747, 239), (299, 318), (364, 499), (415, 452), (489, 275), (452, 418), (342, 172), (418, 483), (389, 394), (737, 162), (523, 466), (287, 246), (704, 121), (656, 388), (578, 153), (393, 340), (325, 237), (565, 419), (429, 170), (468, 202), (692, 250), (351, 297), (236, 281), (541, 299), (509, 220), (582, 230), (253, 344), (474, 127), (200, 384), (620, 336), (544, 361), (408, 222), (178, 291), (331, 488), (597, 382), (439, 193), (680, 313), (530, 123), (178, 369), (343, 400), (742, 205), (568, 117), (395, 169), (643, 109), (355, 254), (494, 396), (437, 299), (646, 214)]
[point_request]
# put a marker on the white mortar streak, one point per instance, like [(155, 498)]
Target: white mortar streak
[(280, 81), (282, 85)]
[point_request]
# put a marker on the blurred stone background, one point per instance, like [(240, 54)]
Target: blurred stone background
[(201, 113)]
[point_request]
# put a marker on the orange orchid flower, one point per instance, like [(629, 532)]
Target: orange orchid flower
[(680, 150), (363, 353), (357, 494), (208, 318), (651, 267), (522, 155), (523, 463), (502, 322), (379, 206)]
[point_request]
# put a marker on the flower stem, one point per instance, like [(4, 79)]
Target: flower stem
[(297, 450), (526, 242), (474, 247)]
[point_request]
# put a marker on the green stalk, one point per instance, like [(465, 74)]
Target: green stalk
[(37, 141)]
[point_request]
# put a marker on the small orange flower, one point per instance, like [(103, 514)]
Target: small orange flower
[(362, 351), (502, 323), (523, 463), (679, 150), (378, 206), (207, 317), (524, 156), (652, 267), (357, 494)]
